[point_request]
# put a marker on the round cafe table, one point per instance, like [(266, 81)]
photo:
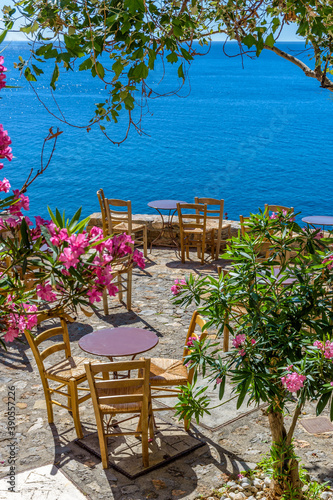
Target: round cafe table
[(122, 341), (167, 227), (318, 220)]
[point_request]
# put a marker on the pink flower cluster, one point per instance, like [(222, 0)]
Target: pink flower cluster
[(2, 71), (327, 348), (190, 341), (176, 288), (239, 341), (45, 292), (293, 381), (330, 260), (18, 321), (279, 215), (5, 150)]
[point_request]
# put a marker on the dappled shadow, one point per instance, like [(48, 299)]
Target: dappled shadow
[(15, 356), (127, 318)]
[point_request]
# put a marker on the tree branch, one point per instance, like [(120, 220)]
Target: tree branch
[(317, 74)]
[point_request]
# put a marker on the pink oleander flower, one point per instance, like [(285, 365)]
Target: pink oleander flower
[(176, 288), (319, 234), (293, 381), (190, 341), (242, 352), (330, 260), (274, 216), (318, 344), (12, 333), (240, 476), (45, 292), (239, 340), (113, 290), (218, 381), (94, 295), (331, 383), (77, 243), (253, 341), (68, 258), (139, 259), (290, 367), (31, 319), (5, 185)]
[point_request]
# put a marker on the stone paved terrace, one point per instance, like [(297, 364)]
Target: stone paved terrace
[(233, 442)]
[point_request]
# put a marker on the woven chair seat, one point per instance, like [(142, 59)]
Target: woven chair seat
[(120, 407), (66, 369), (167, 372), (214, 224), (123, 226)]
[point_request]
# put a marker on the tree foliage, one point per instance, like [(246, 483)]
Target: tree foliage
[(279, 312), (119, 41)]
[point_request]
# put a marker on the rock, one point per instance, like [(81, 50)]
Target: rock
[(258, 483), (246, 481), (177, 493), (22, 406), (326, 495), (37, 425), (158, 484), (230, 484), (239, 496), (94, 486), (267, 481), (130, 488), (40, 404)]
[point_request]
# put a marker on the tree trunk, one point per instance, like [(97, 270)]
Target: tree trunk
[(285, 465)]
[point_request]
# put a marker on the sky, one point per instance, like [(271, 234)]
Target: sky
[(288, 34)]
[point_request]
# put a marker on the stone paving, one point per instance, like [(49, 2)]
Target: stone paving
[(232, 444)]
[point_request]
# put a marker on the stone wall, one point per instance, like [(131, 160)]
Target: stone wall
[(154, 226)]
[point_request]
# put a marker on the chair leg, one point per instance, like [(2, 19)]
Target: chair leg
[(129, 290), (105, 302), (145, 242), (203, 244), (182, 248), (47, 395), (144, 440), (120, 287), (75, 407)]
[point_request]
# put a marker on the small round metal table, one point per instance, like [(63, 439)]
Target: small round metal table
[(122, 341), (318, 220), (167, 227)]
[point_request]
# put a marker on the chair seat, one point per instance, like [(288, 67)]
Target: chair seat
[(123, 226), (214, 224), (66, 369), (167, 372), (120, 407)]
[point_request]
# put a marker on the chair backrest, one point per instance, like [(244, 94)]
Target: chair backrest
[(101, 199), (192, 216), (35, 342), (215, 209), (118, 212), (121, 391), (243, 221), (277, 208), (199, 321)]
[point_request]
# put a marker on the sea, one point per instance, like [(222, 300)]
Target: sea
[(248, 130)]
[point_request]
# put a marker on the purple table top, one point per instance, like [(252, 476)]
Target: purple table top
[(123, 341), (320, 220), (165, 204)]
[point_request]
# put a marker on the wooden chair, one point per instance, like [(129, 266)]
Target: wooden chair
[(69, 372), (215, 211), (263, 248), (193, 229), (276, 208), (167, 374), (123, 270), (121, 395), (119, 220)]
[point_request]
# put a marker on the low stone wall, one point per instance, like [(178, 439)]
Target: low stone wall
[(154, 226)]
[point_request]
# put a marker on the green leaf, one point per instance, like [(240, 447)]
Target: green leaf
[(37, 70), (100, 69), (55, 76), (270, 40), (118, 67), (323, 402), (172, 58), (87, 64), (249, 40), (3, 35), (29, 76)]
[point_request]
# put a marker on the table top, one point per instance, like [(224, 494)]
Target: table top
[(321, 220), (165, 204), (122, 341)]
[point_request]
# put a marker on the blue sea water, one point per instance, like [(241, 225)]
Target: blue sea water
[(253, 135)]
